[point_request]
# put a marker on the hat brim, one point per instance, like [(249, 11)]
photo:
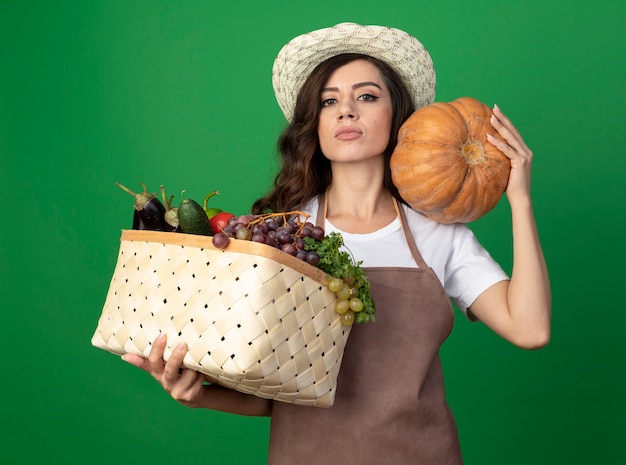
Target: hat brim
[(404, 53)]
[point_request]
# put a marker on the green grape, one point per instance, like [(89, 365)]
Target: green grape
[(347, 319), (349, 279), (243, 234), (355, 304), (336, 262), (343, 293), (335, 284), (342, 306)]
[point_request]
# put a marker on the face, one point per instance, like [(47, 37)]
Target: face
[(356, 115)]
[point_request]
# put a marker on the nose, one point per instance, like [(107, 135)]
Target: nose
[(346, 110)]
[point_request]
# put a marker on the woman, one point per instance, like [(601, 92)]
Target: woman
[(355, 86)]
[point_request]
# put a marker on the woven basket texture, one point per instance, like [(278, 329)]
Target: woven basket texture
[(255, 319)]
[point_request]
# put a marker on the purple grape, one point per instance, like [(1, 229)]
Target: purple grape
[(220, 240), (302, 254), (283, 237), (289, 248), (317, 233), (313, 258), (299, 243), (245, 219), (259, 237), (292, 226), (229, 229), (259, 228)]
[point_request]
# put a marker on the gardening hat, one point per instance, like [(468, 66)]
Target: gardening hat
[(404, 53)]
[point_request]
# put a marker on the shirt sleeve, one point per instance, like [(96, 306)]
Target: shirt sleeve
[(470, 269)]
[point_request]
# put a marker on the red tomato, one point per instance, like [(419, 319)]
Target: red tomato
[(219, 221)]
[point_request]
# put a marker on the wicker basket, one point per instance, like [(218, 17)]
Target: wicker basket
[(255, 319)]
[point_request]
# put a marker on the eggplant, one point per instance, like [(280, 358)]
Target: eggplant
[(138, 222), (149, 211)]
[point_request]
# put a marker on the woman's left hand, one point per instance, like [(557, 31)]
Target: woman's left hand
[(516, 150)]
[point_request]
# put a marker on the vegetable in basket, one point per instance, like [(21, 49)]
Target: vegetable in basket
[(149, 211), (218, 218), (192, 218), (171, 213), (211, 212)]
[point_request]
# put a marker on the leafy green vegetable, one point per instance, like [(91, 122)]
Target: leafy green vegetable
[(341, 264)]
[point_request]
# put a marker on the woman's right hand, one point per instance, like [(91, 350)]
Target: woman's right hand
[(188, 387), (184, 385)]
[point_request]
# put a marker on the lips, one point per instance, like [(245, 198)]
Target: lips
[(348, 133)]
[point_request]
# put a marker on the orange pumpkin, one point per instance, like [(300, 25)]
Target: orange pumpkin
[(443, 165)]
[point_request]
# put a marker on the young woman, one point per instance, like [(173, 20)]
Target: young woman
[(355, 86)]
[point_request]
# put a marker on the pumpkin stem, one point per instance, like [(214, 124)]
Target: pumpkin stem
[(473, 153)]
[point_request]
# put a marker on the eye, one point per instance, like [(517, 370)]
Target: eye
[(368, 98), (328, 102)]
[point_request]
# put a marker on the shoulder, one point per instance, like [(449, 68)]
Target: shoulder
[(431, 234), (456, 256)]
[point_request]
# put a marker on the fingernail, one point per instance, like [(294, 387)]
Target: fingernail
[(160, 337), (181, 347)]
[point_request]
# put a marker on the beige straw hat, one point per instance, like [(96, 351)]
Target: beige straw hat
[(405, 54)]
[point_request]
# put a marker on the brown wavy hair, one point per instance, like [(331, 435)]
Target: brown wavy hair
[(305, 171)]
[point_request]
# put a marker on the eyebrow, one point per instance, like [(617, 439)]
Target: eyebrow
[(355, 86)]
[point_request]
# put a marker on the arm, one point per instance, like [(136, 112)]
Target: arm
[(188, 388), (520, 309)]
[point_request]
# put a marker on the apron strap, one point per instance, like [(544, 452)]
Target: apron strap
[(417, 256), (320, 220)]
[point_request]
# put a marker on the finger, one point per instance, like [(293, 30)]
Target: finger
[(188, 387), (175, 362), (507, 131), (503, 119), (137, 360), (501, 145), (512, 149), (156, 353), (503, 128), (500, 114), (189, 378)]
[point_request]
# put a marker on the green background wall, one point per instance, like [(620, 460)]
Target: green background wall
[(179, 93)]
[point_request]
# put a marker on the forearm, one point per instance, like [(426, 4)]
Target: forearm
[(529, 296), (216, 397)]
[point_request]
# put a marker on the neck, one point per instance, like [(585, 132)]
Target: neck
[(357, 201)]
